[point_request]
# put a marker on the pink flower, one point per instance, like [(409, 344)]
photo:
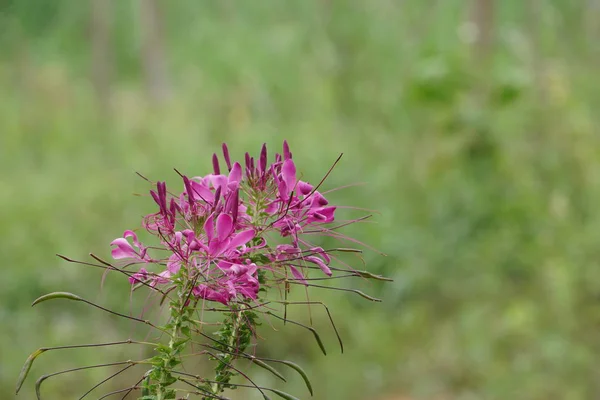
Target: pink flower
[(140, 276), (217, 228), (222, 238), (123, 249), (207, 293), (236, 280)]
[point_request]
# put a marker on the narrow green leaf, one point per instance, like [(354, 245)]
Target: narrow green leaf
[(369, 275), (145, 390), (57, 295), (284, 395), (301, 372), (27, 367), (266, 366)]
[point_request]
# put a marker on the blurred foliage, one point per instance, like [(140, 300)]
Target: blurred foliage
[(485, 172)]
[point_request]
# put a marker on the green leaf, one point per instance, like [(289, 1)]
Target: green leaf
[(185, 330), (171, 394), (56, 295), (301, 372), (180, 343), (27, 367), (266, 366), (145, 389), (284, 395)]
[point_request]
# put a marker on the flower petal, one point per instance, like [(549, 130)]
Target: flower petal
[(242, 238), (202, 191), (304, 188), (286, 151), (132, 234), (298, 275), (236, 173), (283, 190), (322, 253), (288, 172), (321, 264), (139, 276), (209, 228), (123, 249), (224, 226)]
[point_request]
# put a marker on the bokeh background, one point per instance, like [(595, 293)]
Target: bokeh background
[(473, 124)]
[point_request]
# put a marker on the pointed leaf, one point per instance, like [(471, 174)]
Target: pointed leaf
[(301, 372), (27, 367), (266, 366), (145, 391), (284, 395), (56, 295)]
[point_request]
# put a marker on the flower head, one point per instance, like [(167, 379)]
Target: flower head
[(226, 230)]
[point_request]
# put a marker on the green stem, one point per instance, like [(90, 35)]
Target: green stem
[(177, 337), (226, 358), (163, 384)]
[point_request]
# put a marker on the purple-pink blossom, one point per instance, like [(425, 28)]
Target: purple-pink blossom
[(222, 230)]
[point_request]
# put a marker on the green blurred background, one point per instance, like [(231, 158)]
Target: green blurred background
[(472, 124)]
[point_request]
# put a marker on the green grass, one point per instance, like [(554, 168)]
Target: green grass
[(486, 183)]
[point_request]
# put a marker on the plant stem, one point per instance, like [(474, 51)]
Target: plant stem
[(178, 310), (226, 358)]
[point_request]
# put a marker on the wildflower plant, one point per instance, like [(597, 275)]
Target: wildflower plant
[(233, 244)]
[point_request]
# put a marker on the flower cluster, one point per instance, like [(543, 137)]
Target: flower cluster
[(225, 231), (225, 238)]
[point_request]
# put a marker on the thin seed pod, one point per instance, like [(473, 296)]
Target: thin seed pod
[(56, 295), (107, 266), (205, 392), (71, 296), (369, 275), (239, 372), (26, 367), (358, 292), (339, 338), (42, 378), (298, 369), (128, 390), (266, 366), (284, 395), (281, 394), (35, 354), (314, 332), (105, 380), (253, 358)]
